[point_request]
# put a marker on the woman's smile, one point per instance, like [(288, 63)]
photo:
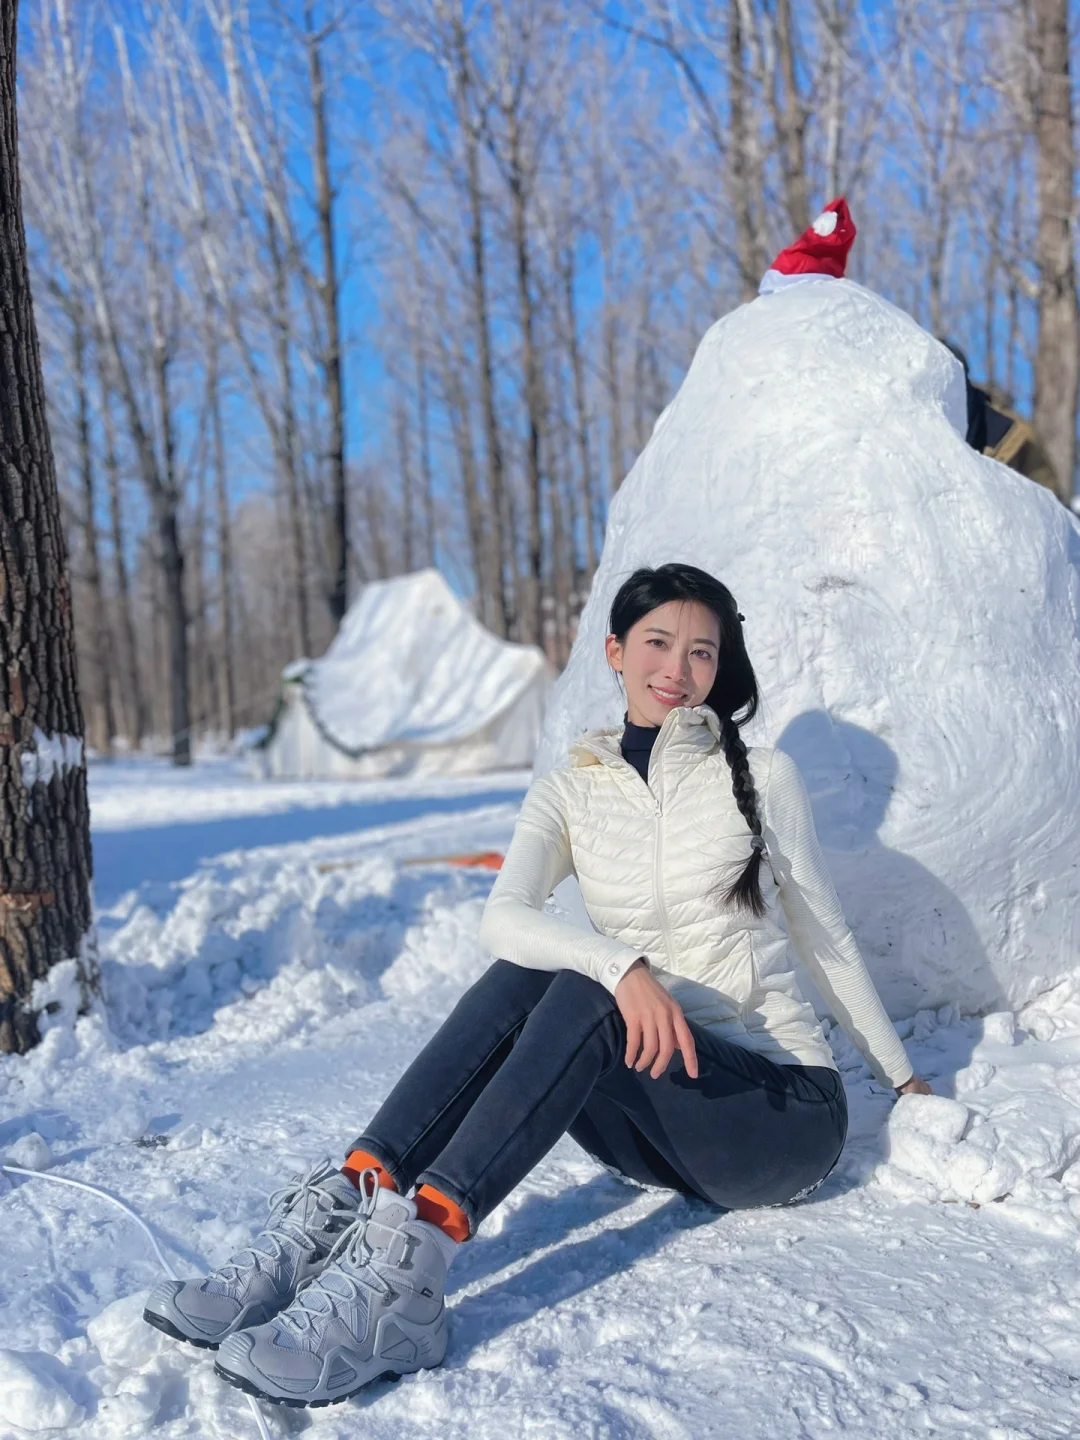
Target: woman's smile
[(668, 697)]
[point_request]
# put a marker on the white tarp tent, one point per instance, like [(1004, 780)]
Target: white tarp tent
[(412, 684)]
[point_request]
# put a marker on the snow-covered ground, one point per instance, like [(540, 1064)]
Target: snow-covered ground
[(273, 960)]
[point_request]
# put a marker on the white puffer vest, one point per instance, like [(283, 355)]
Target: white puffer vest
[(653, 862)]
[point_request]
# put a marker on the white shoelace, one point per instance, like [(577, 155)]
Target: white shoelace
[(271, 1244), (354, 1250)]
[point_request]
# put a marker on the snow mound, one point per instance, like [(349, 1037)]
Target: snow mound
[(1020, 1144), (32, 1394), (410, 664), (926, 1140), (30, 1152), (122, 1337), (913, 615)]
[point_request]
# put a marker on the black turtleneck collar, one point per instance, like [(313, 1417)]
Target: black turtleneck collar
[(637, 742)]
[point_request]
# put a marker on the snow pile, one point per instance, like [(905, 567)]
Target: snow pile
[(913, 615), (1011, 1134), (33, 1395), (411, 663), (926, 1140), (584, 1306), (298, 933)]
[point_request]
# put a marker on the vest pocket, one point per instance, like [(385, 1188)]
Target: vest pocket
[(733, 973)]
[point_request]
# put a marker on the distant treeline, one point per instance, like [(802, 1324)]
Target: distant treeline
[(330, 291)]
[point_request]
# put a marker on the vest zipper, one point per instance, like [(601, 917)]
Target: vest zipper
[(658, 849), (658, 885)]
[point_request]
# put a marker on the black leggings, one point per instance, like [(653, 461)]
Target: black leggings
[(528, 1055)]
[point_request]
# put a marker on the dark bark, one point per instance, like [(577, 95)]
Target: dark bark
[(452, 369), (285, 432), (501, 566), (158, 477), (612, 383), (104, 727), (166, 503), (422, 408), (791, 113), (517, 183), (227, 697), (137, 720), (1057, 365), (45, 859), (581, 413), (751, 261), (338, 589), (408, 519)]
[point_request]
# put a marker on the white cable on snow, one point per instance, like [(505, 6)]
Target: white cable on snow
[(264, 1433)]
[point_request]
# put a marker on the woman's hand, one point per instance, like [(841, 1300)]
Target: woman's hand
[(655, 1024), (915, 1086)]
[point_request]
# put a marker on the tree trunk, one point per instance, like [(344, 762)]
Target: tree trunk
[(501, 593), (158, 476), (610, 368), (227, 697), (533, 403), (427, 479), (791, 123), (338, 591), (105, 722), (452, 368), (288, 439), (172, 560), (740, 165), (581, 409), (205, 667), (45, 860), (408, 518), (137, 720), (1057, 367)]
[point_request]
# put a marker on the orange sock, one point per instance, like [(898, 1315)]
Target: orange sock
[(438, 1209), (359, 1161)]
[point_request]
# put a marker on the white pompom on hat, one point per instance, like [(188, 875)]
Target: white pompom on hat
[(820, 253)]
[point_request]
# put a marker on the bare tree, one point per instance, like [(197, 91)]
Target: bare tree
[(1057, 357), (327, 289), (45, 864), (105, 725)]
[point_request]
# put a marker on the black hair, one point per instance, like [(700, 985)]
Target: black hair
[(734, 695)]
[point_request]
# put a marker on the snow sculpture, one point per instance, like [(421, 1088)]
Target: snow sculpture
[(913, 615)]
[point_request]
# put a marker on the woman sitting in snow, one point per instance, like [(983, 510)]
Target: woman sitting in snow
[(672, 1044)]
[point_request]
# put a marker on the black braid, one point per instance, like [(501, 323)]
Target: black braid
[(746, 890)]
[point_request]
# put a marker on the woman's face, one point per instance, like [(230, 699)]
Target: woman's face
[(669, 659)]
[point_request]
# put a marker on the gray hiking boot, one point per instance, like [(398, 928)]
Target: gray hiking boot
[(376, 1310), (306, 1219)]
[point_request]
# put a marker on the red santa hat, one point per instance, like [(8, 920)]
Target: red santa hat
[(820, 252)]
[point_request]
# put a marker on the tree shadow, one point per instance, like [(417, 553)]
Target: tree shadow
[(161, 856)]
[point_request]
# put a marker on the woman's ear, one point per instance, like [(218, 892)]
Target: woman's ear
[(613, 650)]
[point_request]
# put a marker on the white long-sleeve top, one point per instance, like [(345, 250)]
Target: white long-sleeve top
[(653, 861)]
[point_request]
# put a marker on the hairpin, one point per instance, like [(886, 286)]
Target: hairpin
[(740, 614)]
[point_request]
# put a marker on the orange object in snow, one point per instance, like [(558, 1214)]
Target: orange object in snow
[(478, 860)]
